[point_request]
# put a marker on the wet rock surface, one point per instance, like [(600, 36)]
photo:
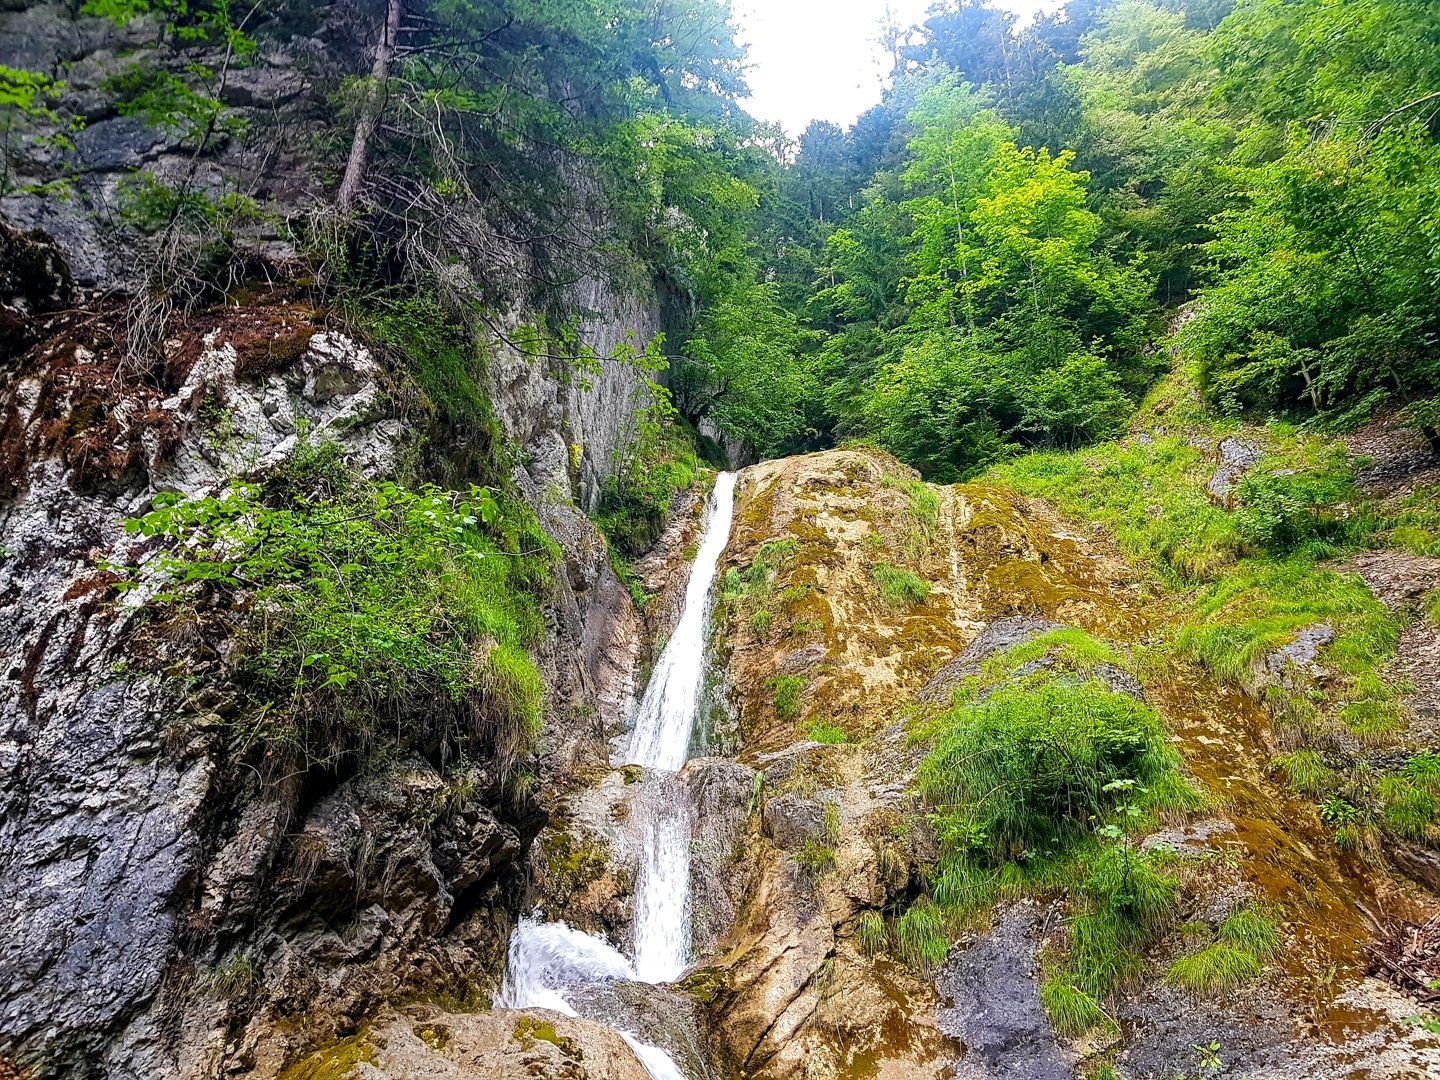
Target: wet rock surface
[(992, 990)]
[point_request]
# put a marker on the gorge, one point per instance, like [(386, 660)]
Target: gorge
[(511, 567)]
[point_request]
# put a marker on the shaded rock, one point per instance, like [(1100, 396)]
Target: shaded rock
[(723, 793), (996, 1011), (995, 638), (791, 820), (1237, 457)]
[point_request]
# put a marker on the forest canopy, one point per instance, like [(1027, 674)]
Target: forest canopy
[(996, 256)]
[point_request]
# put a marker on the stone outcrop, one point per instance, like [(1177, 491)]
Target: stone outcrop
[(807, 979), (431, 1044), (168, 912)]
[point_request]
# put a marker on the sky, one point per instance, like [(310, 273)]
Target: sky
[(822, 59)]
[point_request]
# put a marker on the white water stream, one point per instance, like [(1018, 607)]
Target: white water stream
[(548, 959)]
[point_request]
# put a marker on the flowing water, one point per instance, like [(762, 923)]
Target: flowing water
[(548, 961)]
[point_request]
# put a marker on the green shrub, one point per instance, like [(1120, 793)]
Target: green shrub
[(659, 462), (761, 621), (1281, 512), (899, 586), (1025, 771), (367, 601)]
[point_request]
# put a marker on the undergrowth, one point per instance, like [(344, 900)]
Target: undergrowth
[(363, 602), (1252, 571)]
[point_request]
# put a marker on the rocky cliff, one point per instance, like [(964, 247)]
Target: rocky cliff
[(174, 905)]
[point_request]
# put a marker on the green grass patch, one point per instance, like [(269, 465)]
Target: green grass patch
[(1307, 772), (822, 731), (899, 586), (871, 934), (1251, 931), (1025, 772), (920, 938), (1213, 970), (1242, 944), (1072, 1011), (785, 691)]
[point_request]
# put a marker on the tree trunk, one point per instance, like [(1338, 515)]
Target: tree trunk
[(370, 116)]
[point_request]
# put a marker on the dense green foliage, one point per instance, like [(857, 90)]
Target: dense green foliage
[(983, 262), (365, 602)]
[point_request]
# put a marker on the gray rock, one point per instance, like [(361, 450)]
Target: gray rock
[(1295, 665), (1237, 457), (996, 1010), (790, 820), (996, 638)]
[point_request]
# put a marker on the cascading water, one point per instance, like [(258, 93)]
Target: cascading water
[(548, 959)]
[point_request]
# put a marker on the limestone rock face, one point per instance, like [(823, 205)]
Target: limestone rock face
[(167, 915), (809, 978)]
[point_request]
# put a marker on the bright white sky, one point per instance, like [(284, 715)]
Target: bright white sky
[(821, 59)]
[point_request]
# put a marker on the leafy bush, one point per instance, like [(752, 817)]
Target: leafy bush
[(1281, 512), (659, 462), (365, 600), (1026, 770)]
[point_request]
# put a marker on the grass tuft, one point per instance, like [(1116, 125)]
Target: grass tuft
[(899, 586), (1213, 970), (1072, 1011), (920, 937)]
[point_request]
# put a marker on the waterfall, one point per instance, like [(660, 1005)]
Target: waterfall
[(663, 727), (548, 959)]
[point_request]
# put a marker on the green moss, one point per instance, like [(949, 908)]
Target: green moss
[(529, 1030), (785, 693), (822, 731), (337, 1062)]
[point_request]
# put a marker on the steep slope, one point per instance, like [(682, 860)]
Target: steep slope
[(834, 962)]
